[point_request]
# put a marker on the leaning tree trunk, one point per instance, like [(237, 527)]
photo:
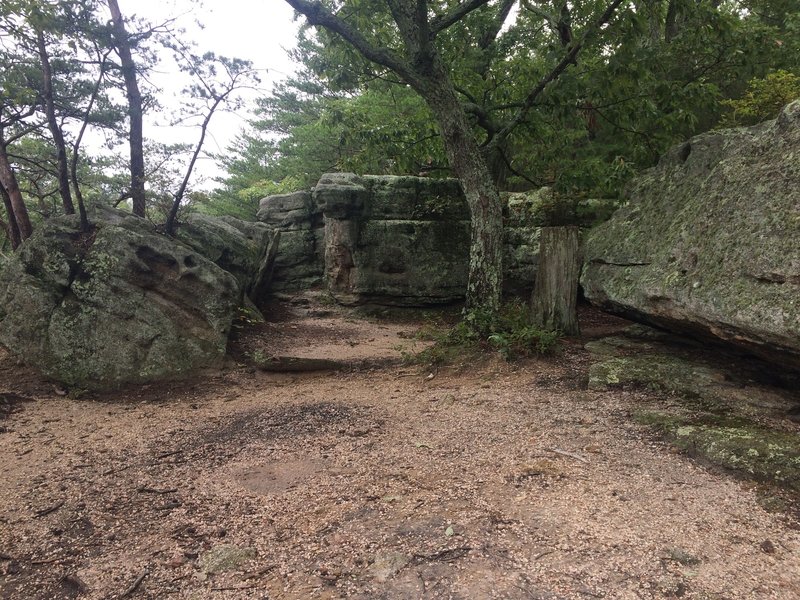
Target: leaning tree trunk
[(8, 180), (52, 123), (485, 282), (555, 294), (11, 227)]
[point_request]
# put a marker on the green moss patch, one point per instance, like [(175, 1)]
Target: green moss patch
[(715, 411), (733, 443)]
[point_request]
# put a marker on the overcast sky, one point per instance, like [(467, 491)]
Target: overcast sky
[(258, 30)]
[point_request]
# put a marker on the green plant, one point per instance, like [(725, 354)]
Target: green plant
[(764, 99), (509, 332), (244, 318)]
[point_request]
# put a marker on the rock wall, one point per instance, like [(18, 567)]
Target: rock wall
[(709, 242), (399, 240), (393, 240), (300, 262)]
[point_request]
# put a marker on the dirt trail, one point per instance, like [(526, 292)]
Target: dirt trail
[(486, 481)]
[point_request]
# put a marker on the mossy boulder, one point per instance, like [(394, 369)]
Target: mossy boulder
[(120, 304), (708, 241), (238, 247)]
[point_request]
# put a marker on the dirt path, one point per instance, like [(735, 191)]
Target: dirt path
[(495, 481)]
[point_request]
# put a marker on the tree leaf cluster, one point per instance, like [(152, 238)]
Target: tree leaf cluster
[(68, 71)]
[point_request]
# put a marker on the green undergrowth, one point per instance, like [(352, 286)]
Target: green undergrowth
[(508, 332)]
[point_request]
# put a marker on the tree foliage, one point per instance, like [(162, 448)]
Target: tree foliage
[(667, 71), (75, 68)]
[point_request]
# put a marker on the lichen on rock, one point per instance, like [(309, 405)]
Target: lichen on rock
[(121, 304), (708, 241)]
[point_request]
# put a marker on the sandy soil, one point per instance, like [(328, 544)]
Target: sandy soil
[(488, 480)]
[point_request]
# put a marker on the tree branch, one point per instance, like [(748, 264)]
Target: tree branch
[(555, 73), (490, 35), (458, 12), (319, 16)]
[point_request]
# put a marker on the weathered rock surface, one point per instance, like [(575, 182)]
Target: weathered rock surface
[(402, 240), (225, 557), (709, 242), (245, 250), (727, 411), (394, 240), (123, 304), (300, 261)]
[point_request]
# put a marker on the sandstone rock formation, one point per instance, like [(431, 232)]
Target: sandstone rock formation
[(245, 250), (709, 242), (393, 240), (121, 304), (402, 240), (301, 260)]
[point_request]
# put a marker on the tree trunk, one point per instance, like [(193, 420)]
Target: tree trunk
[(136, 137), (52, 123), (485, 283), (555, 294), (8, 180), (12, 230), (671, 27)]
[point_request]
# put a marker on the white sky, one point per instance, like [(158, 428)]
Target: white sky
[(258, 30)]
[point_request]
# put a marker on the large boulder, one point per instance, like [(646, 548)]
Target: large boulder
[(709, 242), (121, 304)]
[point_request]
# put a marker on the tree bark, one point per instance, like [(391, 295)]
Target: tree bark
[(52, 123), (421, 66), (76, 146), (671, 27), (555, 294), (484, 287), (8, 180), (12, 230), (136, 136)]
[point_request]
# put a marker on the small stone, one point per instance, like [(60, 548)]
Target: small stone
[(681, 556), (225, 557), (176, 560), (386, 565), (768, 547)]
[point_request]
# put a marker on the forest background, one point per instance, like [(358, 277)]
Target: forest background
[(654, 73)]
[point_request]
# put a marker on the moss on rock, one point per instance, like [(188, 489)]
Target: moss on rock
[(707, 243), (123, 304)]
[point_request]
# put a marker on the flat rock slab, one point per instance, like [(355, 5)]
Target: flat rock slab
[(718, 408), (225, 557)]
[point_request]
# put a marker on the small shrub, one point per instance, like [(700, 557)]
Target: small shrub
[(509, 332)]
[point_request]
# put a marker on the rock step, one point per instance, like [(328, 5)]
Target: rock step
[(299, 364)]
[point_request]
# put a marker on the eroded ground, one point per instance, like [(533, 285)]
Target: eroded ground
[(489, 480)]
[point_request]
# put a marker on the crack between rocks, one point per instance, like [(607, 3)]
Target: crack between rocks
[(600, 261)]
